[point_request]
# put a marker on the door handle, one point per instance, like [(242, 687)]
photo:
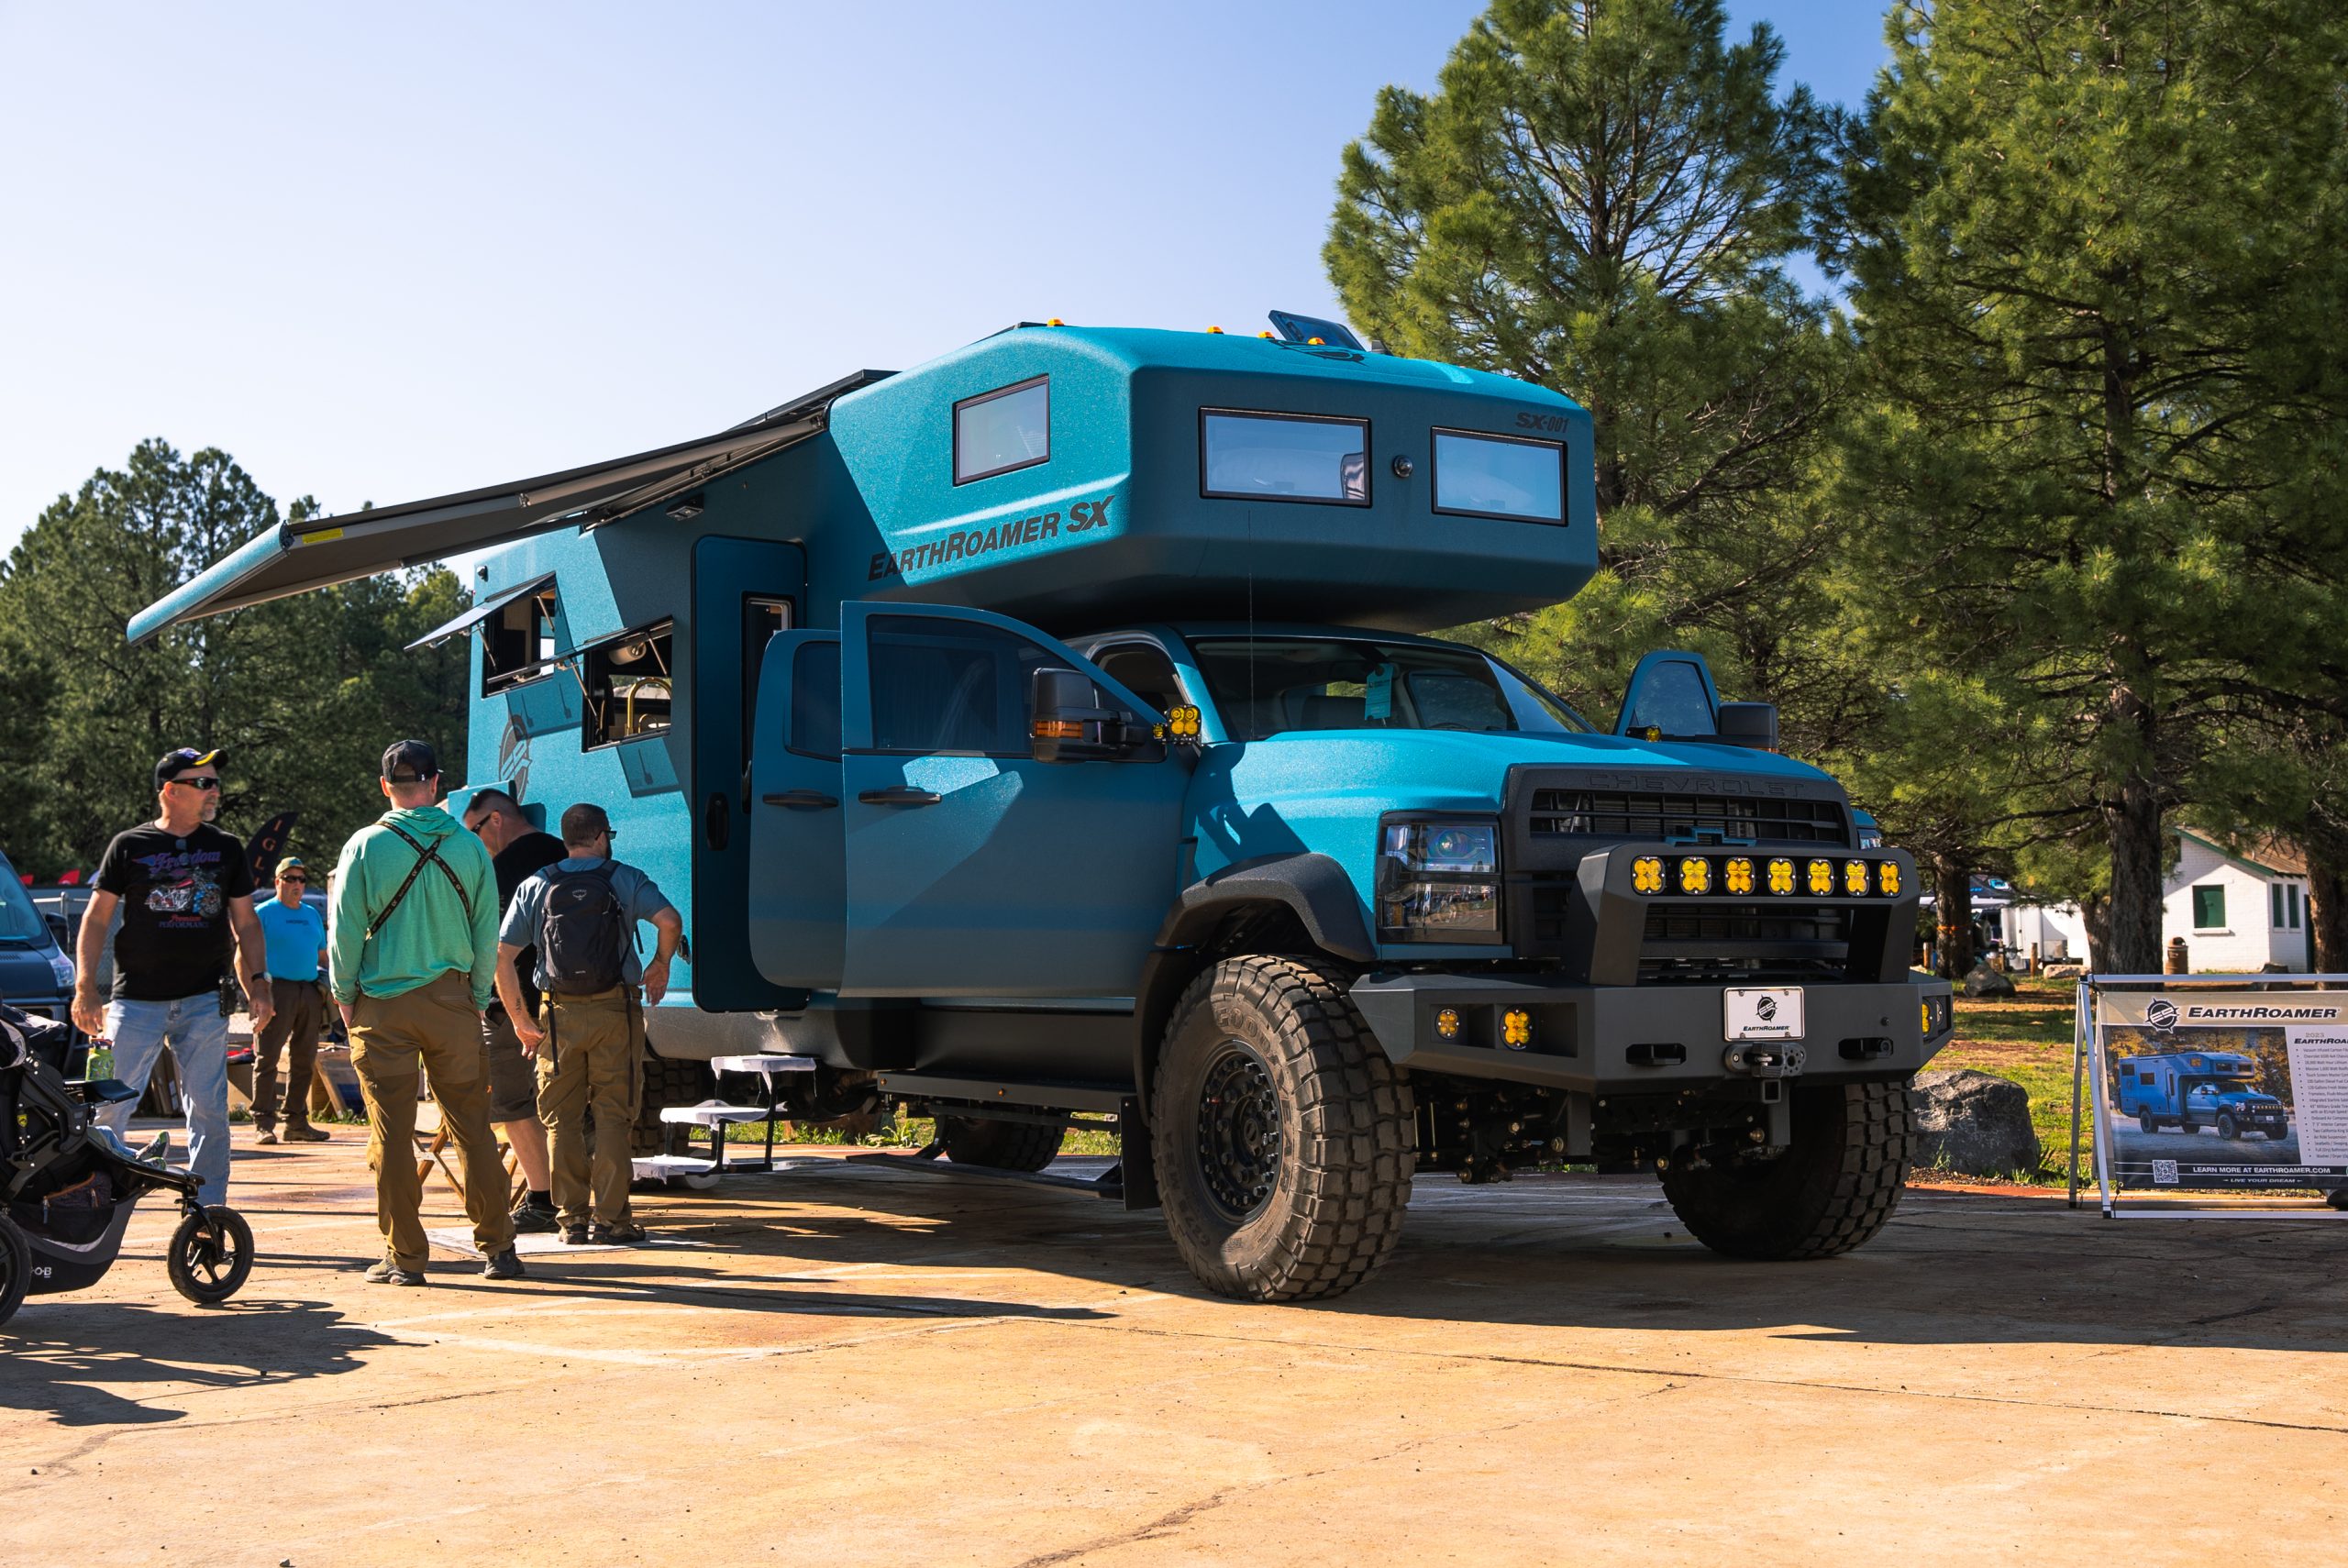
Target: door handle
[(902, 795), (802, 800)]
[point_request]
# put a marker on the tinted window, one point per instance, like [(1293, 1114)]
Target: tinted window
[(1144, 669), (1002, 430), (1261, 457), (2210, 907), (952, 686), (1670, 697), (19, 921), (1274, 685), (1500, 477), (816, 701)]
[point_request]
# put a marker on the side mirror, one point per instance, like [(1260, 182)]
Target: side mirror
[(1749, 723), (60, 930), (1070, 725)]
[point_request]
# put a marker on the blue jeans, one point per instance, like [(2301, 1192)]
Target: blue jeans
[(198, 1037)]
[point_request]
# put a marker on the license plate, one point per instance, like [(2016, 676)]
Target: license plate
[(1770, 1013)]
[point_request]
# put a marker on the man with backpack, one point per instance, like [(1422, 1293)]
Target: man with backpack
[(581, 913), (412, 953)]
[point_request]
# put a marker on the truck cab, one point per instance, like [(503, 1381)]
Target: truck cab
[(1053, 733)]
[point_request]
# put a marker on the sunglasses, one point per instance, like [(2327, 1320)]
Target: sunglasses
[(195, 783), (296, 877)]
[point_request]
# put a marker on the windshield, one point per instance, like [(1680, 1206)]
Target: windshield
[(1270, 686), (19, 921)]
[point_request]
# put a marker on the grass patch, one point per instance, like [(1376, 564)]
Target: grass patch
[(2026, 1039)]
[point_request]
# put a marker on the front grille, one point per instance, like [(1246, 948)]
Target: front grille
[(1686, 818), (1716, 943)]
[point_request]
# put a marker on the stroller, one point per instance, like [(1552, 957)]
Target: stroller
[(68, 1186)]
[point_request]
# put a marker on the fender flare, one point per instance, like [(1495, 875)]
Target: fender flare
[(1312, 886)]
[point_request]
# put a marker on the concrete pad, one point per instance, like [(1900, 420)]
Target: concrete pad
[(868, 1360)]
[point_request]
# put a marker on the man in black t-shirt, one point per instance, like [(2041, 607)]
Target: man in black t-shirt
[(516, 851), (185, 892)]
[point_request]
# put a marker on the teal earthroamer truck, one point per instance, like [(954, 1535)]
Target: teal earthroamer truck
[(1048, 735)]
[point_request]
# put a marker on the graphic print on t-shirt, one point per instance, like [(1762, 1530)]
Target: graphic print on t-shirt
[(184, 887), (175, 890)]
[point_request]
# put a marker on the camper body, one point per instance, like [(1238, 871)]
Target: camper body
[(1050, 732), (2189, 1091)]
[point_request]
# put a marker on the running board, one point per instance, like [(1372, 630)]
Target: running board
[(1109, 1183)]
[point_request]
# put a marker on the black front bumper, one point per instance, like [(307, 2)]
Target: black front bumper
[(1639, 1039)]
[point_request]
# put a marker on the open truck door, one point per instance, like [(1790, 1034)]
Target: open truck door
[(796, 895), (745, 592), (974, 868)]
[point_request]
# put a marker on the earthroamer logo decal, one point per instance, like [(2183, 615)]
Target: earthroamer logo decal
[(970, 544), (2161, 1013), (2196, 1013)]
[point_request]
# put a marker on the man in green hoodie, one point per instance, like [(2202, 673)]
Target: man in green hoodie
[(412, 956)]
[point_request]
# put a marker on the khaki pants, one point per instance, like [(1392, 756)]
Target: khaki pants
[(432, 1030), (294, 1029), (590, 1058)]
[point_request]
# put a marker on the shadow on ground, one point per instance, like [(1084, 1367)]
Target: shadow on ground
[(56, 1349)]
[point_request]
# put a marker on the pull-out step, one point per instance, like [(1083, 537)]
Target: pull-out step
[(713, 1113)]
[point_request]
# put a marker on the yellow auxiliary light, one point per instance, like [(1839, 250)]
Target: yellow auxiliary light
[(1217, 330), (1646, 873), (1821, 877), (1263, 335), (1928, 1017), (1737, 878), (1318, 342), (1055, 321), (1887, 878), (1516, 1029), (1447, 1022), (1854, 876), (1182, 721), (1695, 875), (1781, 875)]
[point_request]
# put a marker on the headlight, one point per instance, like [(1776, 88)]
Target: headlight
[(1439, 881), (61, 970)]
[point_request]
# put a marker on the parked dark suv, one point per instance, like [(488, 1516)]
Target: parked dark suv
[(35, 973)]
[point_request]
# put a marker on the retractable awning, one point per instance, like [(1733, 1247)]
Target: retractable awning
[(479, 612), (321, 551)]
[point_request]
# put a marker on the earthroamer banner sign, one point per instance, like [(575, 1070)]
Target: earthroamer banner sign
[(2223, 1089)]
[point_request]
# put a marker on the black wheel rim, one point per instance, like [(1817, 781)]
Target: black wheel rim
[(1239, 1132), (207, 1260)]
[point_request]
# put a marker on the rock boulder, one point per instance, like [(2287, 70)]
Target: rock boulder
[(1974, 1124), (1987, 982)]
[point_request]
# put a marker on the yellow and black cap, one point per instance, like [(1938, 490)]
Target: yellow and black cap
[(410, 762), (174, 763)]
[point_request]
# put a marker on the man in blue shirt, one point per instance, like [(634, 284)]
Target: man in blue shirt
[(581, 913), (294, 936)]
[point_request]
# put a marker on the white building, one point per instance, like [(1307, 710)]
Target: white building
[(2238, 909)]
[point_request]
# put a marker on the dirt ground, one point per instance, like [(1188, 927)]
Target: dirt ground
[(858, 1361)]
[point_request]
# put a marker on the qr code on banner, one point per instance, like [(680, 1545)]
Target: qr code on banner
[(2165, 1173)]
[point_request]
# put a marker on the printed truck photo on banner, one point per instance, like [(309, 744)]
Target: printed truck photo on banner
[(2223, 1089)]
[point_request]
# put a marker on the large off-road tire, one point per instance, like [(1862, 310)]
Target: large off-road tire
[(666, 1082), (2228, 1128), (2146, 1124), (16, 1268), (1281, 1134), (1831, 1191), (999, 1145)]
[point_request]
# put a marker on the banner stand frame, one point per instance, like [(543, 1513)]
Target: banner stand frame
[(2087, 1067)]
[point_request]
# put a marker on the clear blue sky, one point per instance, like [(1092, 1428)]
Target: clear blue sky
[(383, 252)]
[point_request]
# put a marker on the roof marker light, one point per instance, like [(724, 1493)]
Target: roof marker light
[(1217, 330), (1055, 321)]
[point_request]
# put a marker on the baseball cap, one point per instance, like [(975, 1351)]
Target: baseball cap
[(174, 763), (410, 762), (291, 863)]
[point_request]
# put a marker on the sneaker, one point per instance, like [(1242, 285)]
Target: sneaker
[(389, 1272), (529, 1219), (303, 1132), (502, 1266), (627, 1233), (268, 1135), (574, 1235), (157, 1149)]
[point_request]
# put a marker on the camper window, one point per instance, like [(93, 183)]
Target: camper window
[(628, 682), (519, 642), (1283, 457), (1499, 476), (997, 432)]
